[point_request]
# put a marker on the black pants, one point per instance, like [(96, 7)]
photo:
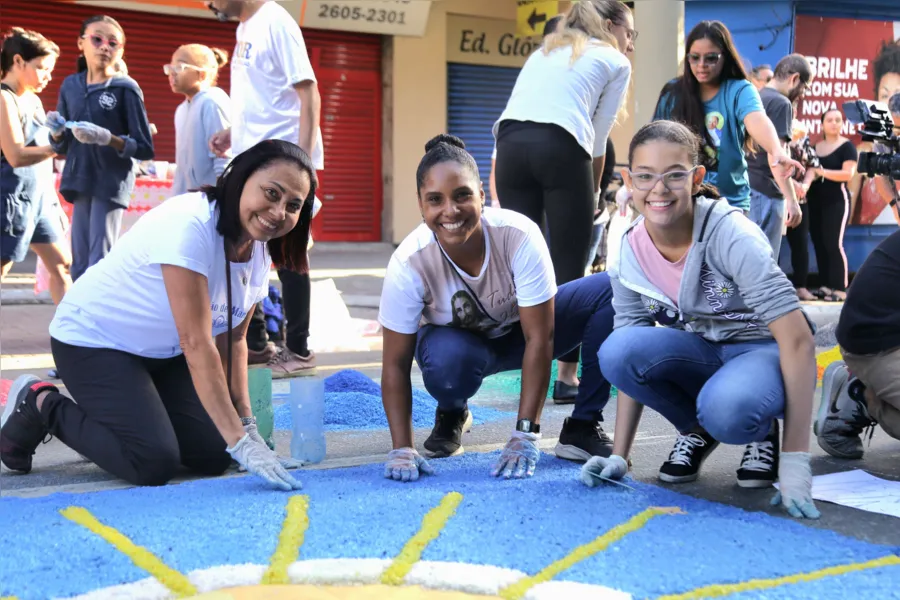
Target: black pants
[(827, 217), (295, 291), (541, 170), (137, 418), (798, 241)]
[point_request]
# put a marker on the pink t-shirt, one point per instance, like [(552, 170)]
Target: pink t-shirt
[(660, 272)]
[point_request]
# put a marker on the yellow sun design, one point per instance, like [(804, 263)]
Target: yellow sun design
[(405, 577)]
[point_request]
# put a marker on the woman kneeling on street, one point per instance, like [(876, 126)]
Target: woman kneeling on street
[(469, 293), (153, 389)]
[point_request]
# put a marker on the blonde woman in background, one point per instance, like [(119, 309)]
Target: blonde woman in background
[(193, 72), (551, 146)]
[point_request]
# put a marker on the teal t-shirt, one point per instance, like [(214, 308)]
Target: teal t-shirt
[(725, 113)]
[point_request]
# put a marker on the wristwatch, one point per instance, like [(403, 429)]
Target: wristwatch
[(528, 426), (248, 421)]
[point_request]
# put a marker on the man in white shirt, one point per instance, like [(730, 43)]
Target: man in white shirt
[(272, 82)]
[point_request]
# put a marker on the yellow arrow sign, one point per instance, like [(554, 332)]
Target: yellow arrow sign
[(531, 15)]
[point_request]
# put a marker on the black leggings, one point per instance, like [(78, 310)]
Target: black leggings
[(296, 290), (541, 169), (798, 241), (827, 217), (137, 418)]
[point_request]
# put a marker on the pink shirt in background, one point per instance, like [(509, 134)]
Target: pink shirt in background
[(660, 272)]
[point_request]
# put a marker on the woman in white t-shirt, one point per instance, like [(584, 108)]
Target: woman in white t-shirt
[(551, 138), (149, 338), (469, 293)]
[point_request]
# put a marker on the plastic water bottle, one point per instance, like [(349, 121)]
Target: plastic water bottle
[(307, 401)]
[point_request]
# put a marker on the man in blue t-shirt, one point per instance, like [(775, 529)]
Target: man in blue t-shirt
[(767, 192)]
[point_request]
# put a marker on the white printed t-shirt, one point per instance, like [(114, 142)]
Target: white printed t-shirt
[(422, 285), (269, 58), (121, 302)]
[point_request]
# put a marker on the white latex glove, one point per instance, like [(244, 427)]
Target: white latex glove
[(795, 485), (623, 197), (285, 461), (55, 123), (598, 468), (519, 457), (259, 460), (405, 464), (88, 133)]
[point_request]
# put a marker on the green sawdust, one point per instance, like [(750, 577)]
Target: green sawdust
[(509, 383)]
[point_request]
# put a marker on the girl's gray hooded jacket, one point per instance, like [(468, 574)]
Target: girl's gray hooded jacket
[(731, 288)]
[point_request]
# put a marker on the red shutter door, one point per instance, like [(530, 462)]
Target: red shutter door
[(150, 41), (348, 68)]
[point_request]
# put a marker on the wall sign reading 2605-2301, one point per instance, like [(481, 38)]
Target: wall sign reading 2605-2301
[(386, 17)]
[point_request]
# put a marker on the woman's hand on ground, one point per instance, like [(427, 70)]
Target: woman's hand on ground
[(795, 482), (259, 460), (405, 464), (286, 462), (599, 468), (519, 457)]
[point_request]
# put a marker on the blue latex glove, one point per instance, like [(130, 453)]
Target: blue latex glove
[(599, 468), (258, 459), (795, 485), (405, 464), (55, 123), (519, 457)]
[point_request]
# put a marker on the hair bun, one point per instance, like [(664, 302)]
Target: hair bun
[(444, 138), (221, 56)]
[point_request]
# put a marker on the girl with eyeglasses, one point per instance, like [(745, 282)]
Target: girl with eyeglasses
[(100, 124), (735, 351), (716, 100), (204, 112)]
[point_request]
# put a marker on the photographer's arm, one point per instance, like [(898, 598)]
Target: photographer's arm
[(888, 191)]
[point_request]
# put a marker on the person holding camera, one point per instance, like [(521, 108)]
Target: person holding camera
[(798, 237), (864, 389)]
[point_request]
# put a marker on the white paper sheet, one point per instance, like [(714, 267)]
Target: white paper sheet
[(858, 489)]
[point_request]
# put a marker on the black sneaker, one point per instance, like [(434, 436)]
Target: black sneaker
[(579, 440), (687, 457), (446, 437), (843, 415), (759, 466), (563, 393), (21, 428)]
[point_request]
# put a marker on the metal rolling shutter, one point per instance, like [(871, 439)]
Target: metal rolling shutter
[(477, 96), (150, 41), (348, 69)]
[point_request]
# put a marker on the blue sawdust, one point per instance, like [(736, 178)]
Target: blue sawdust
[(353, 402), (356, 513)]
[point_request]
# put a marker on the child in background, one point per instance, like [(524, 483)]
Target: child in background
[(736, 351), (100, 124), (204, 112)]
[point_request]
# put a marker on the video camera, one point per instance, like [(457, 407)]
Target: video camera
[(874, 123)]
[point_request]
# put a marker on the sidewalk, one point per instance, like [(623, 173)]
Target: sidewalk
[(357, 270)]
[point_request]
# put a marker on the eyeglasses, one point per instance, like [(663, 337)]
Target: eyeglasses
[(179, 68), (710, 58), (632, 34), (98, 41), (673, 180)]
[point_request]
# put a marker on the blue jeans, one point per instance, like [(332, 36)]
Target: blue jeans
[(454, 361), (768, 213), (733, 390)]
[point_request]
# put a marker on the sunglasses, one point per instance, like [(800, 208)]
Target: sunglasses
[(673, 180), (179, 68), (98, 41), (710, 58)]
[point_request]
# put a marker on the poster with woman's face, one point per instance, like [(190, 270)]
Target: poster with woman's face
[(852, 59)]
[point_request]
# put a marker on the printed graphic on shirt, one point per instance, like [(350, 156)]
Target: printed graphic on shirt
[(242, 54), (719, 294), (715, 123), (467, 314), (662, 314), (107, 101)]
